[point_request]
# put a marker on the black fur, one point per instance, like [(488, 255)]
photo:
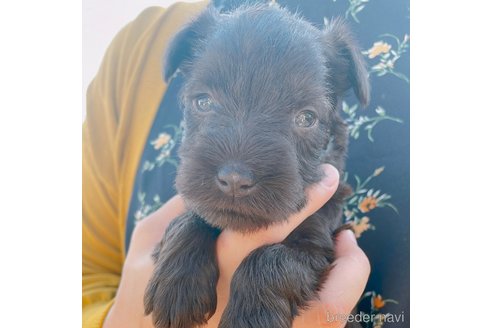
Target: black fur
[(261, 66)]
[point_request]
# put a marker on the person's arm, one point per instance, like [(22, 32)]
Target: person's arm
[(103, 177), (102, 253), (121, 103)]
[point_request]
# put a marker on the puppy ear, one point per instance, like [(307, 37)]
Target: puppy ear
[(183, 46), (346, 66)]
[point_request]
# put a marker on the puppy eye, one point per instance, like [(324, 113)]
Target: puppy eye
[(205, 103), (305, 119)]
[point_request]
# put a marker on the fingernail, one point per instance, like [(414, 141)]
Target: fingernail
[(351, 236), (331, 176)]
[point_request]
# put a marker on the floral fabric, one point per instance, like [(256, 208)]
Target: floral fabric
[(378, 161)]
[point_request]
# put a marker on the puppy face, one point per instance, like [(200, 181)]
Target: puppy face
[(259, 100)]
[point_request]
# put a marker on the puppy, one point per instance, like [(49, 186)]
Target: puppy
[(261, 108)]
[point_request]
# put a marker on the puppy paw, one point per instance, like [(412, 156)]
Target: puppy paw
[(260, 311), (180, 299), (182, 290)]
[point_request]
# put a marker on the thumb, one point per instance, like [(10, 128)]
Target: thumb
[(320, 193), (317, 195)]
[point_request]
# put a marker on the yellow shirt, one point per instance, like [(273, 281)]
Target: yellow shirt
[(122, 101)]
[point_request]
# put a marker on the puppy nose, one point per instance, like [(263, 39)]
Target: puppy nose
[(235, 180)]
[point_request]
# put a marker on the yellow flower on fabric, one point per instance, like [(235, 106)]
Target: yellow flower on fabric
[(161, 140), (368, 203), (361, 226), (378, 48), (378, 302)]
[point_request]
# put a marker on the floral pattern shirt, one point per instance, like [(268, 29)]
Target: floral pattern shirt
[(378, 161)]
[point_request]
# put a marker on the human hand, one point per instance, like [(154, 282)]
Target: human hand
[(347, 278), (232, 247), (343, 288)]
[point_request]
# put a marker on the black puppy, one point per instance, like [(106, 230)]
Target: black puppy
[(262, 88)]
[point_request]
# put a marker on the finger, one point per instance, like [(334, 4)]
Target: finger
[(318, 194), (348, 276)]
